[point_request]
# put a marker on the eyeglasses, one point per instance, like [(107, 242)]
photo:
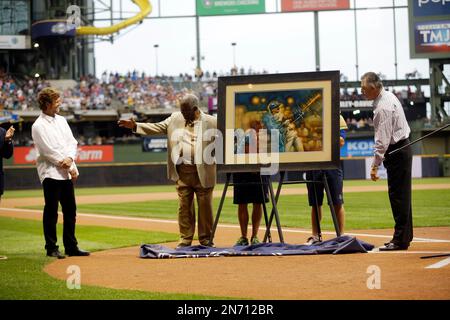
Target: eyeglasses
[(364, 89)]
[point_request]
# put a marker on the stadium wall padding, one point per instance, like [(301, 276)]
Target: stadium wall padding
[(155, 174)]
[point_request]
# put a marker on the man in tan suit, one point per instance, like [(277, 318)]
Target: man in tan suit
[(188, 164)]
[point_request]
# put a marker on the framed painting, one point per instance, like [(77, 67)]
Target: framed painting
[(279, 121)]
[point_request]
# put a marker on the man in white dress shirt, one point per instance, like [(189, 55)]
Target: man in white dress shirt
[(56, 148), (392, 132)]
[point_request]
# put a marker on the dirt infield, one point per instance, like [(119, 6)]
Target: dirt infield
[(403, 274)]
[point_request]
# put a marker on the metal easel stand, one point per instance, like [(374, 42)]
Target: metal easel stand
[(274, 212), (274, 209)]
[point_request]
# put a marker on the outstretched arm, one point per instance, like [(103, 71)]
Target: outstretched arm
[(6, 145), (145, 128)]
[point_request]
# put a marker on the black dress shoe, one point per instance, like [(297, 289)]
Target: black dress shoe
[(394, 247), (55, 254), (77, 253)]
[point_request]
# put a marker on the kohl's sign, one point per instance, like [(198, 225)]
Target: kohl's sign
[(431, 8), (358, 148)]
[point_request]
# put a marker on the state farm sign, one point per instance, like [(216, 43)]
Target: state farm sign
[(27, 155)]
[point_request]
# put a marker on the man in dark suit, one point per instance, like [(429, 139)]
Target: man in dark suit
[(6, 151)]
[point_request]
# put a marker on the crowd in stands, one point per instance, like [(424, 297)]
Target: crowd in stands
[(363, 124), (24, 139), (134, 91), (137, 91), (16, 95), (403, 95)]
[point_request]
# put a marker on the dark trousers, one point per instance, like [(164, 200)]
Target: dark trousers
[(59, 191), (399, 166)]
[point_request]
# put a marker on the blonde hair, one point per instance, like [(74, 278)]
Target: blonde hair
[(46, 97)]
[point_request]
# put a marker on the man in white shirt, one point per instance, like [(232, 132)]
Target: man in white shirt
[(56, 151), (392, 132)]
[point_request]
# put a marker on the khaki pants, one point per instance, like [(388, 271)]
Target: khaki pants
[(188, 184)]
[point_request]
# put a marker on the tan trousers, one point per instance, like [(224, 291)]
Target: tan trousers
[(187, 185)]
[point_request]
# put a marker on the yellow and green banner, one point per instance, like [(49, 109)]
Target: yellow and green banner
[(224, 7)]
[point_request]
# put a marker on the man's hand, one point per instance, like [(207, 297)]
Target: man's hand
[(130, 123), (374, 173), (66, 163), (9, 134), (74, 174)]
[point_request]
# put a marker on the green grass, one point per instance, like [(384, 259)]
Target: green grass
[(414, 181), (171, 188), (91, 191), (22, 275), (369, 210)]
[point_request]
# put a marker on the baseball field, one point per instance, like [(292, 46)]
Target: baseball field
[(114, 222)]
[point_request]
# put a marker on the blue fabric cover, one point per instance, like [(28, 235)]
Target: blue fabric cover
[(339, 245)]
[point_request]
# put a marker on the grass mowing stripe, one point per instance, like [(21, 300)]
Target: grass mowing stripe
[(9, 194), (363, 210), (22, 277)]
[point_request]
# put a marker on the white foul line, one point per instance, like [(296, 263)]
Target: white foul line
[(439, 264), (104, 216), (377, 251)]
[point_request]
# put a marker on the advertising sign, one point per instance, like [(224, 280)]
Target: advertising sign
[(52, 28), (429, 29), (223, 7), (431, 8), (85, 154), (432, 36), (314, 5), (15, 42), (358, 148), (416, 170), (154, 144)]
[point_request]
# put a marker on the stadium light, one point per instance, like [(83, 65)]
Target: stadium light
[(36, 45), (36, 75), (357, 111), (156, 46), (233, 44)]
